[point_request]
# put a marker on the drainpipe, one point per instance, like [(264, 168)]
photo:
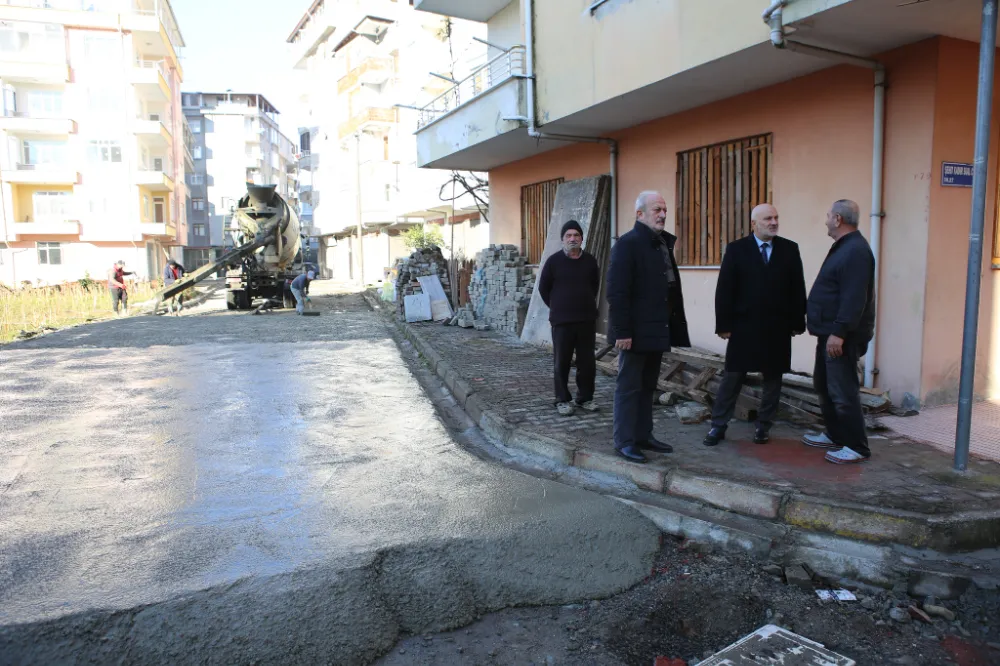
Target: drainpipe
[(772, 16), (529, 63)]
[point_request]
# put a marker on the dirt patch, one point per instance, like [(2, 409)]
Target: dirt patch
[(696, 602)]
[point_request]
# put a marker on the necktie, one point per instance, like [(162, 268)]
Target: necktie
[(763, 251)]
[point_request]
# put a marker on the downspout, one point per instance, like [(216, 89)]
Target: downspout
[(529, 63), (772, 16)]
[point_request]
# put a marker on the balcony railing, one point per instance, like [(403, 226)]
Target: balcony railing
[(158, 65), (40, 115), (493, 73)]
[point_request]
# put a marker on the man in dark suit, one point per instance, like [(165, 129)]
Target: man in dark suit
[(646, 309), (760, 304)]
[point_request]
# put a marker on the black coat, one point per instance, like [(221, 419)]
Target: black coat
[(760, 305), (842, 299), (643, 305)]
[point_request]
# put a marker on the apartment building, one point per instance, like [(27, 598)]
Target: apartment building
[(92, 169), (358, 161), (704, 108), (235, 140)]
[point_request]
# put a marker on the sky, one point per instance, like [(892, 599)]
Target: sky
[(240, 44)]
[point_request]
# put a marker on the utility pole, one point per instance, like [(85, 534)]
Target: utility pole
[(361, 251)]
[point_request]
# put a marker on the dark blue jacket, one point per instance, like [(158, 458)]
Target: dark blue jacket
[(642, 304), (842, 299)]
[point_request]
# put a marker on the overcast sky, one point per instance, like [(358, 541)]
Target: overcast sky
[(240, 44)]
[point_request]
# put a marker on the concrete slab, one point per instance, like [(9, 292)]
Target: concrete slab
[(748, 500), (188, 493), (646, 477)]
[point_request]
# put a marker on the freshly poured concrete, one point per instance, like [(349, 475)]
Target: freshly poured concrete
[(228, 488)]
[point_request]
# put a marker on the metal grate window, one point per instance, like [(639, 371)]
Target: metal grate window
[(537, 200), (717, 187)]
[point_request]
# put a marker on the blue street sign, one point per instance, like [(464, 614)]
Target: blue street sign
[(956, 174)]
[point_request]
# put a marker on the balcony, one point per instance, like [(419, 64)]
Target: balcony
[(340, 18), (472, 112), (368, 118), (42, 174), (150, 80), (28, 67), (46, 228), (20, 123), (371, 70), (482, 10), (161, 230), (153, 132), (153, 179), (157, 28)]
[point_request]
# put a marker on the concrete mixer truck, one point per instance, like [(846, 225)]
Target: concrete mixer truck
[(267, 253)]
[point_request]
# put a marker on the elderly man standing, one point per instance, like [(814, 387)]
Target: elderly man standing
[(841, 314), (646, 318), (568, 285), (760, 304)]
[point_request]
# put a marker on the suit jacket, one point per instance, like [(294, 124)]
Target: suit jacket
[(642, 303), (760, 305)]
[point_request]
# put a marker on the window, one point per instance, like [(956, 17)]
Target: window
[(145, 207), (536, 208), (104, 151), (717, 187), (196, 179), (104, 101), (197, 152), (101, 46), (196, 127), (44, 103), (159, 210), (36, 152), (198, 204), (49, 253), (199, 229), (51, 205)]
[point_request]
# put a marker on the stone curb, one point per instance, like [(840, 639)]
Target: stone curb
[(946, 533)]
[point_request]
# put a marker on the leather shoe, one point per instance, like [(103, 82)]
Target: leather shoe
[(761, 435), (656, 445), (714, 436), (632, 453)]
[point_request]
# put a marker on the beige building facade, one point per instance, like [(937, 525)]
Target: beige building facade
[(714, 116), (92, 168)]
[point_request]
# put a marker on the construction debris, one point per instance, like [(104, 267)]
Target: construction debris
[(421, 263), (774, 645), (500, 289)]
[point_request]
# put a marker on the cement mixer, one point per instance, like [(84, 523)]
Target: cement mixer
[(262, 273), (267, 253)]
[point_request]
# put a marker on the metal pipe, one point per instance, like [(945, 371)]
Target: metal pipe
[(987, 54), (593, 7), (776, 6), (878, 151), (529, 64)]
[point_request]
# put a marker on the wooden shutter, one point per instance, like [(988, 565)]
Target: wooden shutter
[(536, 209), (717, 187)]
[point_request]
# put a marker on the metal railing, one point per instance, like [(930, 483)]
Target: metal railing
[(493, 73), (39, 115), (158, 65)]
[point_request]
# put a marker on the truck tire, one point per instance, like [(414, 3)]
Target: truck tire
[(243, 299), (231, 300), (288, 301)]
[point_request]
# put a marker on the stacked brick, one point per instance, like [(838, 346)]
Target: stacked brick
[(428, 261), (501, 288)]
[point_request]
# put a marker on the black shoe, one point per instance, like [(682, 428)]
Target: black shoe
[(714, 436), (761, 435), (632, 453), (656, 445)]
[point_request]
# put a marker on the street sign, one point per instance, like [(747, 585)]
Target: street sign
[(956, 174)]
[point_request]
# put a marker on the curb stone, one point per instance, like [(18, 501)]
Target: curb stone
[(855, 539)]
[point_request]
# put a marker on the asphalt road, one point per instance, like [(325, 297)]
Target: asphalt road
[(219, 488)]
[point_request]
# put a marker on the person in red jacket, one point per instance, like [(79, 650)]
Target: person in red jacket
[(117, 287)]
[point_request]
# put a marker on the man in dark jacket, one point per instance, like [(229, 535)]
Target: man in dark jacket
[(841, 314), (760, 304), (646, 309), (569, 284), (173, 272)]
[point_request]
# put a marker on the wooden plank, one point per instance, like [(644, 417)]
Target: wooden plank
[(602, 352), (696, 360), (770, 156), (747, 192), (685, 202), (705, 204), (679, 197), (689, 241), (754, 173), (699, 382), (671, 370), (723, 199), (738, 203)]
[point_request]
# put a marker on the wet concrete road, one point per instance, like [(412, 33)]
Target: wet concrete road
[(221, 487)]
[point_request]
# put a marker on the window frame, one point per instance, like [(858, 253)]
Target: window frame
[(45, 250)]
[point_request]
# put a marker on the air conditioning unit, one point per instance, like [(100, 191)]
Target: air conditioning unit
[(157, 164), (154, 116)]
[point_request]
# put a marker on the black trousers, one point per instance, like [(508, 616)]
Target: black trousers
[(119, 295), (836, 381), (729, 393), (566, 339), (634, 388)]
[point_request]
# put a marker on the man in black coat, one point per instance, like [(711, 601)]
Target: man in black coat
[(841, 314), (646, 308), (760, 304), (568, 285)]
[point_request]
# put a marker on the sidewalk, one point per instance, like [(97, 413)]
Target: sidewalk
[(907, 494)]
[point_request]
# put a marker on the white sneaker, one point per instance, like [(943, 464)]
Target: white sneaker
[(820, 440), (589, 406), (845, 456), (565, 408)]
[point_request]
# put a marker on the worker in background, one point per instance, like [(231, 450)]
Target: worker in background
[(568, 285), (117, 287), (173, 272), (300, 290)]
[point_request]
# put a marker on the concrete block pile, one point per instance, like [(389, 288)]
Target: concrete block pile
[(429, 261), (501, 288)]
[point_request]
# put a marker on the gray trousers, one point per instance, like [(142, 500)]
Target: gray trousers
[(729, 393)]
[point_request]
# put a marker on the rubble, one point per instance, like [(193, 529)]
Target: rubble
[(501, 288), (799, 577), (421, 263), (939, 611), (692, 412)]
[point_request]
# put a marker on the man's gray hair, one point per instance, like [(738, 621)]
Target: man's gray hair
[(847, 210), (640, 202)]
